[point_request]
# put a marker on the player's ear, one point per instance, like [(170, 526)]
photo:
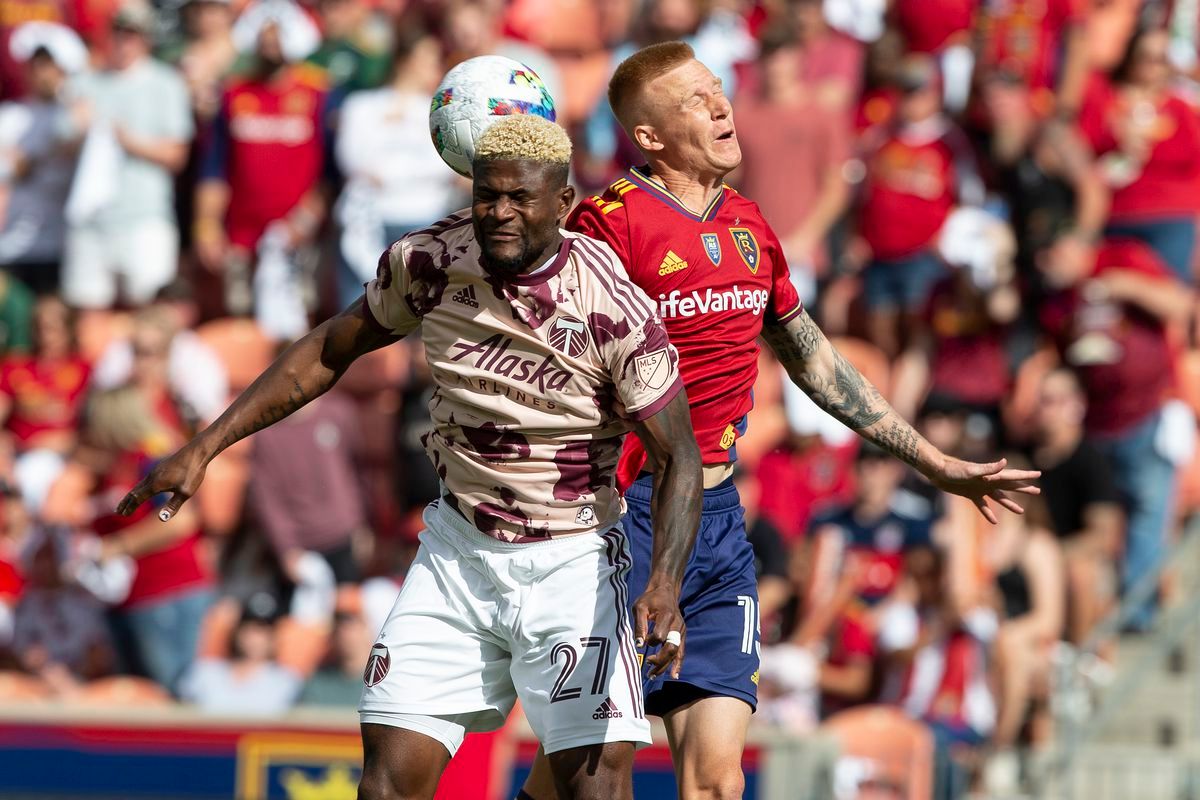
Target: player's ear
[(646, 139), (566, 201)]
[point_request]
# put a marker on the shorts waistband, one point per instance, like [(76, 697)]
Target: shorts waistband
[(449, 517), (717, 499)]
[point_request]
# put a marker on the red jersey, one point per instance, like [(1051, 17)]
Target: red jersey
[(45, 395), (1121, 352), (1028, 36), (929, 25), (1166, 186), (175, 568), (716, 277), (910, 188), (268, 143)]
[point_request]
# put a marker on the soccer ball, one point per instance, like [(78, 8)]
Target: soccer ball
[(475, 94)]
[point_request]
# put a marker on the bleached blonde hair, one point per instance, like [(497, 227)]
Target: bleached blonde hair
[(524, 137)]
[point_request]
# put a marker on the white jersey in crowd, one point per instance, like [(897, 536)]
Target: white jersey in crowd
[(537, 376)]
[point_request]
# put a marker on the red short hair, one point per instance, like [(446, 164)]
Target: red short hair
[(635, 72)]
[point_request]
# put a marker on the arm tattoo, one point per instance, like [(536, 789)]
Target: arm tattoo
[(794, 343), (848, 396), (900, 440)]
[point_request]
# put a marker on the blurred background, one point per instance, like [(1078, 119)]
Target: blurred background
[(989, 205)]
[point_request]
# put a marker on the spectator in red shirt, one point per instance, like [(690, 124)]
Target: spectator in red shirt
[(1042, 41), (1109, 319), (262, 170), (793, 157), (959, 355), (919, 171), (157, 624), (1149, 143), (40, 397)]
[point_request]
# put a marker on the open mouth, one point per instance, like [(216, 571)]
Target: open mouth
[(726, 136)]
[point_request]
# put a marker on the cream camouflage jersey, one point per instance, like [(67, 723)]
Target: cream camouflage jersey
[(537, 377)]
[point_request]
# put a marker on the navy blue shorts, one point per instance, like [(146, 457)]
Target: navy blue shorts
[(719, 601)]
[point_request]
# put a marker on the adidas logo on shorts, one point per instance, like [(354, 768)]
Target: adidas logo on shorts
[(466, 296), (607, 710)]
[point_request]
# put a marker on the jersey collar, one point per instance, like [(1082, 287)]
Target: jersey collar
[(641, 177)]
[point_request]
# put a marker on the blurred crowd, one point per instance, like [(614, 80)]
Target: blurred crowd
[(989, 205)]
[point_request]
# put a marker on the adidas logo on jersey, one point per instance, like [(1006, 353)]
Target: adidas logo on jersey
[(671, 263), (607, 710), (466, 296)]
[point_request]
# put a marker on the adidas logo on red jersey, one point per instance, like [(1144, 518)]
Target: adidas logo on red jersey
[(466, 296), (607, 710)]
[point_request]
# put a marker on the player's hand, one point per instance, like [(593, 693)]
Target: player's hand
[(981, 482), (660, 605), (179, 474)]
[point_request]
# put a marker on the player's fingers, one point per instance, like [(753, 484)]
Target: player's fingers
[(1007, 502), (137, 495), (663, 659), (986, 510), (641, 624), (974, 470), (172, 506), (677, 662), (1025, 489), (1014, 476)]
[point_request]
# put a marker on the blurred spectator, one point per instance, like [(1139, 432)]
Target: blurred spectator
[(1045, 171), (1109, 316), (808, 473), (1027, 564), (1149, 143), (832, 62), (14, 533), (304, 489), (206, 53), (1082, 499), (1043, 42), (354, 44), (249, 682), (958, 356), (195, 373), (16, 315), (16, 14), (59, 627), (395, 180), (938, 666), (864, 542), (36, 160), (915, 176), (793, 158), (262, 170), (473, 28), (340, 682), (41, 393), (122, 241), (720, 39), (156, 625)]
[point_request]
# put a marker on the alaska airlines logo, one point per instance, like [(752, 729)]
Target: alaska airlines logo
[(677, 304), (491, 355)]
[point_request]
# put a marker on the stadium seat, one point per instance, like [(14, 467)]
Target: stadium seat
[(242, 347), (17, 688), (881, 749), (123, 692)]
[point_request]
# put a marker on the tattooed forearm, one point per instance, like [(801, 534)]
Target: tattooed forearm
[(848, 396), (297, 398), (837, 387), (900, 440)]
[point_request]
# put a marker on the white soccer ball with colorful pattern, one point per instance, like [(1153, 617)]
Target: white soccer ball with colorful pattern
[(475, 94)]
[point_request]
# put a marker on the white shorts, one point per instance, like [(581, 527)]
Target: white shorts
[(143, 255), (481, 623)]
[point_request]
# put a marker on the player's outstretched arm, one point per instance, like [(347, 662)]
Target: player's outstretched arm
[(303, 372), (675, 508), (838, 387)]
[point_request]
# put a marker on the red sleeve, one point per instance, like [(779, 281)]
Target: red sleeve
[(785, 301), (855, 640), (1131, 256), (604, 218)]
